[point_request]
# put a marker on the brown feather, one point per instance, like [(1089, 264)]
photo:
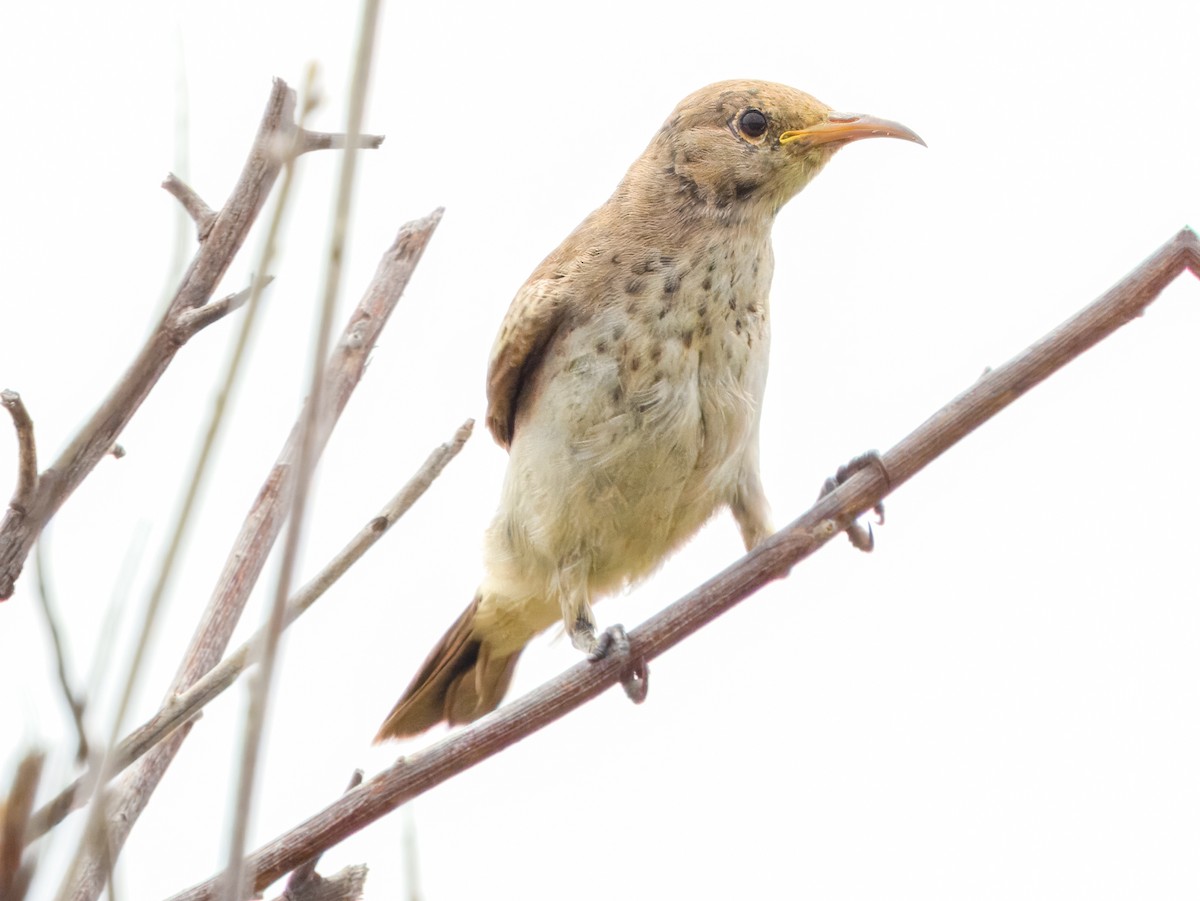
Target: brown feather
[(527, 329), (459, 682), (533, 319)]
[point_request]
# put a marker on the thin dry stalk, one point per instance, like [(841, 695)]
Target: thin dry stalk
[(184, 707), (16, 868), (262, 526), (204, 218), (260, 689), (409, 776), (73, 698)]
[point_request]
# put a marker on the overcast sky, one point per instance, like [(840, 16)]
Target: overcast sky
[(1002, 701)]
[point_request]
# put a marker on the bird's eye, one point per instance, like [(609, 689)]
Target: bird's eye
[(753, 123)]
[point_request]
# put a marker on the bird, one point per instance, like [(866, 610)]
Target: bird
[(626, 383)]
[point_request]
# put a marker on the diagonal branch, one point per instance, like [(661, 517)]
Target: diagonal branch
[(182, 708), (347, 363), (309, 450), (221, 239), (410, 776)]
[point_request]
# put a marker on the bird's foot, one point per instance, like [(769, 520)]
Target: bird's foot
[(635, 677), (861, 538)]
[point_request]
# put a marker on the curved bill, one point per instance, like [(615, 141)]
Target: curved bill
[(842, 128)]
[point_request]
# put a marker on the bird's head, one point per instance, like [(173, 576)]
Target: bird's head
[(753, 144)]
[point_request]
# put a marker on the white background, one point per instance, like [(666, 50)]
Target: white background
[(1002, 701)]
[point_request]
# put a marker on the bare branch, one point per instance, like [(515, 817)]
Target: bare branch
[(194, 320), (323, 140), (15, 875), (188, 321), (201, 213), (345, 885), (1124, 302), (259, 531), (410, 776), (186, 706), (261, 687), (27, 475), (101, 773), (20, 527)]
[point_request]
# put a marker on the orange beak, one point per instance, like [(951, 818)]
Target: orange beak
[(842, 128)]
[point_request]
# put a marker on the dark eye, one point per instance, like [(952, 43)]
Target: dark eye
[(753, 123)]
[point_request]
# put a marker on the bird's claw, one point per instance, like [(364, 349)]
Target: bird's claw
[(635, 677), (862, 538)]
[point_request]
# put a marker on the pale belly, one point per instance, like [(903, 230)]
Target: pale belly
[(624, 450)]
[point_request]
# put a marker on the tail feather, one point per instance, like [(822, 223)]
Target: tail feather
[(459, 682)]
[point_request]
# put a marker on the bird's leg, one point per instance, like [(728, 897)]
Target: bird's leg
[(635, 677), (863, 539), (581, 626), (749, 506), (576, 606)]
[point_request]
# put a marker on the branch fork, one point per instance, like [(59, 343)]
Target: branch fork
[(221, 234)]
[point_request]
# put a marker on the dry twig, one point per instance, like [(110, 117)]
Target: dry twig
[(26, 450), (222, 236), (187, 705), (261, 528), (16, 871), (260, 687), (344, 885), (774, 559)]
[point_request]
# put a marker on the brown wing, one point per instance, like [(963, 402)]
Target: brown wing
[(537, 313), (530, 323)]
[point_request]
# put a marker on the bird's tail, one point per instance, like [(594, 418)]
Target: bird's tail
[(459, 682)]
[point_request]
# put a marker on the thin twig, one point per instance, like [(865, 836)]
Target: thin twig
[(409, 776), (74, 699), (27, 474), (260, 687), (21, 525), (202, 214), (260, 529), (323, 140), (345, 885), (181, 168), (16, 871), (181, 708), (195, 320)]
